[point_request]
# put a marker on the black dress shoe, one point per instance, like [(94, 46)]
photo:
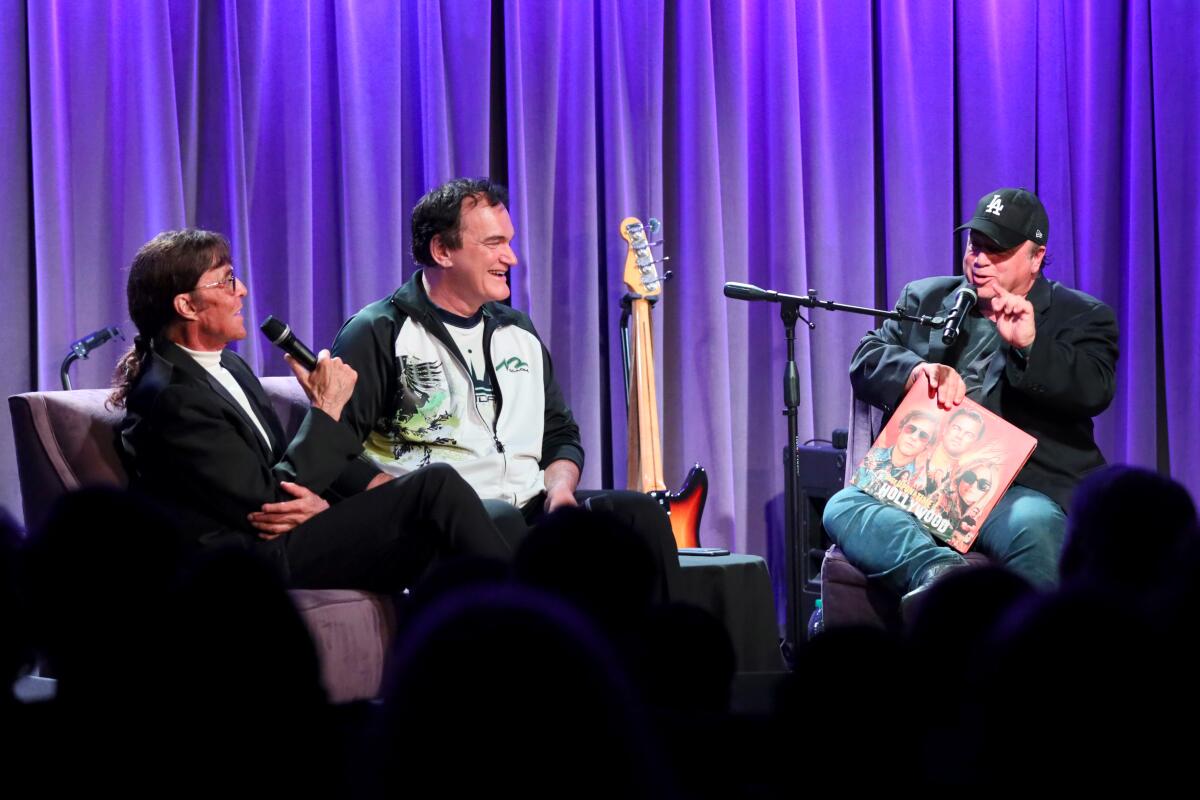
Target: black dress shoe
[(912, 598)]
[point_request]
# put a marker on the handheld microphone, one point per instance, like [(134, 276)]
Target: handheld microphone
[(963, 303), (282, 337), (87, 344)]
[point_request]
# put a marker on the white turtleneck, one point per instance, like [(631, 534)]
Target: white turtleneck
[(211, 361)]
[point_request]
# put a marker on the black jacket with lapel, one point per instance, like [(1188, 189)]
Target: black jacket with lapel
[(1051, 393), (185, 440)]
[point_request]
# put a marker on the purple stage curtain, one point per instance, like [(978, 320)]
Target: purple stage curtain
[(796, 145), (584, 91)]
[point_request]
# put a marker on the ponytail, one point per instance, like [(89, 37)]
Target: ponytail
[(129, 367)]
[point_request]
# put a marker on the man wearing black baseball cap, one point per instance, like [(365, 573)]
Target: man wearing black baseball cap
[(1036, 353)]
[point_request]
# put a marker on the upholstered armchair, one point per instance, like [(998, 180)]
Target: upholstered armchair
[(66, 440)]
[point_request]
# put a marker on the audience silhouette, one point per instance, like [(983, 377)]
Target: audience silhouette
[(179, 670)]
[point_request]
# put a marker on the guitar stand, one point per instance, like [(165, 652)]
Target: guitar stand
[(626, 305)]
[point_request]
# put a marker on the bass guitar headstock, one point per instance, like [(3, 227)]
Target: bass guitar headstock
[(641, 271)]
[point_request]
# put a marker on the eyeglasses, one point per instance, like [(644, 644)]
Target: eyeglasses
[(986, 245), (969, 477), (230, 284), (921, 433)]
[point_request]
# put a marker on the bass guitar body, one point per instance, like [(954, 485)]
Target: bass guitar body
[(686, 506)]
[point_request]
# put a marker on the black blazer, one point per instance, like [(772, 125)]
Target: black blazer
[(185, 440), (1051, 393)]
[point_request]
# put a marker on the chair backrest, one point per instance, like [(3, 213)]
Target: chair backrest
[(866, 421), (67, 440)]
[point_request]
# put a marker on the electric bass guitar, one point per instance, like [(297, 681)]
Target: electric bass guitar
[(645, 445)]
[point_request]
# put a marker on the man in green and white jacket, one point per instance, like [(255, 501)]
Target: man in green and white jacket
[(448, 373)]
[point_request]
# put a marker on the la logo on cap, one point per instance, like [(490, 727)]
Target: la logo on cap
[(995, 207)]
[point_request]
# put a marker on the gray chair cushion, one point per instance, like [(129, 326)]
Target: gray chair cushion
[(848, 598)]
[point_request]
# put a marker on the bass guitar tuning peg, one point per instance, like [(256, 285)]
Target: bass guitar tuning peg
[(653, 225)]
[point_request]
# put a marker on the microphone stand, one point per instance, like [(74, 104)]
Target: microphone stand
[(63, 377), (789, 312), (812, 301), (81, 349)]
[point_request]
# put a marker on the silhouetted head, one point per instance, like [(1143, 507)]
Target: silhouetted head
[(1073, 689), (852, 685), (509, 691), (960, 611), (448, 578), (16, 653), (1128, 528), (101, 572), (595, 561), (688, 661)]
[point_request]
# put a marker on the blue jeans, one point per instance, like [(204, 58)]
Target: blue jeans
[(1024, 532)]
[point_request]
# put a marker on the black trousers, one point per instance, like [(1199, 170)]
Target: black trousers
[(383, 539), (641, 512)]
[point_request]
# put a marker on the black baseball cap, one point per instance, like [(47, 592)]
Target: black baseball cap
[(1009, 217)]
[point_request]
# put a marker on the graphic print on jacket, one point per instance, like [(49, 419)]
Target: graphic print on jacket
[(436, 412), (498, 447), (421, 413)]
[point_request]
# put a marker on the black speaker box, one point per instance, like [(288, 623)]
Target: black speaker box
[(820, 472)]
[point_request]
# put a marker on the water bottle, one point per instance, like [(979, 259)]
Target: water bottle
[(816, 622)]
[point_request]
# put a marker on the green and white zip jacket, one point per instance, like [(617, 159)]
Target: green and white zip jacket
[(414, 403)]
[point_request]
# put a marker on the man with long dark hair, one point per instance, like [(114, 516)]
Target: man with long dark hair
[(200, 433)]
